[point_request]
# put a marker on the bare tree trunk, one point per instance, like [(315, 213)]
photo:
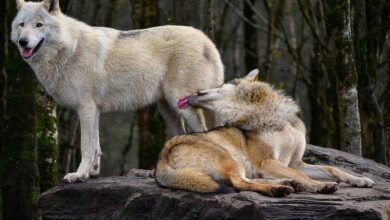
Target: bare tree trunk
[(152, 131), (128, 147), (19, 170), (184, 15), (367, 50), (338, 16), (111, 11), (210, 19), (67, 124), (3, 55), (250, 38), (321, 82), (269, 5)]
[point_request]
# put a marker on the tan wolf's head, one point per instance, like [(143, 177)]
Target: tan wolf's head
[(246, 103), (36, 26)]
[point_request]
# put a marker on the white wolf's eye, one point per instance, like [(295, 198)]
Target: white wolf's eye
[(21, 24), (39, 25)]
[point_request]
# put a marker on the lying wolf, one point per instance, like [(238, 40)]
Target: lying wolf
[(97, 69), (264, 138)]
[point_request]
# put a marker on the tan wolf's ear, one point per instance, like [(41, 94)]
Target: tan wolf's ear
[(52, 6), (252, 75), (19, 4)]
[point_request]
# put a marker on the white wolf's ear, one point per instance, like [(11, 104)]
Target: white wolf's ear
[(19, 4), (52, 6), (252, 75)]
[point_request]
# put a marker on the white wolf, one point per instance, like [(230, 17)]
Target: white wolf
[(97, 69)]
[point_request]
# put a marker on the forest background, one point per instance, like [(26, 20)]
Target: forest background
[(331, 56)]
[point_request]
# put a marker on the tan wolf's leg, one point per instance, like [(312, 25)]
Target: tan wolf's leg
[(332, 173), (298, 187), (274, 169), (235, 173)]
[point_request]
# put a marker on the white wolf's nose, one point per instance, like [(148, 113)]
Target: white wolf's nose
[(23, 42)]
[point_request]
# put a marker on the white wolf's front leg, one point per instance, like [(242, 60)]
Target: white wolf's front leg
[(89, 123), (95, 166)]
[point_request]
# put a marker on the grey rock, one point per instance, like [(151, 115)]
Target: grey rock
[(137, 196)]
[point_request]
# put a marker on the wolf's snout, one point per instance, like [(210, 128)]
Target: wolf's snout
[(23, 42)]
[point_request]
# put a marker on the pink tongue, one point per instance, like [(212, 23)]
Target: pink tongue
[(27, 53), (183, 102)]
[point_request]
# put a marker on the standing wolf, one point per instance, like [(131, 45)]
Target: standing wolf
[(97, 69), (263, 138)]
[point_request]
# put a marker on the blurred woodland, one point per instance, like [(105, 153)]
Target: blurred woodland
[(331, 56)]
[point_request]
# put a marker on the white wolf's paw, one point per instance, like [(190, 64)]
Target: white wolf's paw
[(75, 177), (94, 171), (363, 182)]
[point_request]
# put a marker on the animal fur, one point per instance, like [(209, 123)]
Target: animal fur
[(260, 148), (97, 69)]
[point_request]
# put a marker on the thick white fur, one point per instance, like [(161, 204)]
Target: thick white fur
[(97, 69)]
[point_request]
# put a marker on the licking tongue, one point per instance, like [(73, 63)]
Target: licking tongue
[(27, 52), (184, 102)]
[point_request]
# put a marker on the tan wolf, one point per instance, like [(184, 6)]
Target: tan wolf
[(97, 69), (260, 148)]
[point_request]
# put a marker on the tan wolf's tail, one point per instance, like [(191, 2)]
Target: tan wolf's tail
[(188, 179)]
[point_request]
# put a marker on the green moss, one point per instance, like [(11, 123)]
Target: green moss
[(46, 131)]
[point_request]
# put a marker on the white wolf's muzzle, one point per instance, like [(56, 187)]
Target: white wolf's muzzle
[(28, 52)]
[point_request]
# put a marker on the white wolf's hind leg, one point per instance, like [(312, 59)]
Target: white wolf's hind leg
[(88, 120), (201, 117), (192, 120), (171, 118)]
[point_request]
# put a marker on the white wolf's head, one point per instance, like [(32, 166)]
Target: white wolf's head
[(35, 26)]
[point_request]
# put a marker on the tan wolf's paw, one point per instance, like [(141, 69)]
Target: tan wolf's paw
[(75, 178), (298, 187), (363, 182), (281, 191), (329, 187)]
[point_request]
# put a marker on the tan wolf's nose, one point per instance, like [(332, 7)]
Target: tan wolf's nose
[(202, 92)]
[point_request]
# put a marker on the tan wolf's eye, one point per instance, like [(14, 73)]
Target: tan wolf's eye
[(21, 24), (39, 25)]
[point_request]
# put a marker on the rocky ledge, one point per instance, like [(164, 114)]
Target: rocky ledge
[(137, 196)]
